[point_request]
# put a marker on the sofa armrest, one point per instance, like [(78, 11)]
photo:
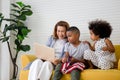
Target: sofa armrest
[(27, 58), (119, 64)]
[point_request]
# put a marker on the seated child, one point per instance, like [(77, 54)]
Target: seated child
[(72, 61), (102, 53)]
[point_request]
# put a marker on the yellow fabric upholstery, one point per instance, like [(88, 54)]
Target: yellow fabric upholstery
[(97, 74), (119, 64), (24, 74), (25, 59), (117, 52), (88, 74)]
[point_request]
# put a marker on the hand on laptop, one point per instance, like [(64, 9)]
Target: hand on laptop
[(56, 61)]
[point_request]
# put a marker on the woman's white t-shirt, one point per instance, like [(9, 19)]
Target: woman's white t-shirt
[(58, 46)]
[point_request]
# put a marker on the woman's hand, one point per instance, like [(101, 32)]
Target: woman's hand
[(56, 61)]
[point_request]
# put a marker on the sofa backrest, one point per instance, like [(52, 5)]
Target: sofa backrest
[(117, 52)]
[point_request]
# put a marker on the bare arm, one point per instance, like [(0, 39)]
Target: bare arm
[(109, 47), (66, 54), (90, 46), (93, 48), (73, 60), (64, 59)]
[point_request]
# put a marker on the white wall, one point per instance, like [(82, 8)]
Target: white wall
[(0, 46), (4, 53)]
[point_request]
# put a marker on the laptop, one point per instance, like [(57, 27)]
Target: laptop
[(44, 52)]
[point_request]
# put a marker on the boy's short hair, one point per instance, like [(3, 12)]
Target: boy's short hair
[(101, 28), (74, 29)]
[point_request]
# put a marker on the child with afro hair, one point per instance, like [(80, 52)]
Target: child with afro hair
[(101, 54)]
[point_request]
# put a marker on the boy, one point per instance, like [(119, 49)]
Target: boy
[(73, 61)]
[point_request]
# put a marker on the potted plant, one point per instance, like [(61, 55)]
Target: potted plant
[(19, 14)]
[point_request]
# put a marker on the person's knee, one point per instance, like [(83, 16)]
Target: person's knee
[(37, 62), (48, 64)]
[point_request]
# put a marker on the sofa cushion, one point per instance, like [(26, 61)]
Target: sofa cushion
[(117, 52), (97, 74), (119, 64), (24, 75), (27, 59)]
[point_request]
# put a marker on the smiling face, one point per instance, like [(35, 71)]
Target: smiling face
[(61, 32), (93, 36)]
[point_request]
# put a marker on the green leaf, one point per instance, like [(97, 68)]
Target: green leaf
[(17, 42), (24, 32), (20, 4), (5, 29), (20, 23), (15, 10), (14, 15), (20, 37), (27, 6), (29, 30), (1, 19), (25, 47), (28, 12), (0, 14), (12, 27), (13, 20), (15, 6), (22, 17)]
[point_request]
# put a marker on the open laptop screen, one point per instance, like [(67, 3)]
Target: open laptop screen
[(44, 52)]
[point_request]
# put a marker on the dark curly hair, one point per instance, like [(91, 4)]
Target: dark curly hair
[(101, 28)]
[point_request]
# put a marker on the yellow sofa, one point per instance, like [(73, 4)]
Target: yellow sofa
[(88, 74)]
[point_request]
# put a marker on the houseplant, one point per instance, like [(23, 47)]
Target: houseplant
[(19, 30)]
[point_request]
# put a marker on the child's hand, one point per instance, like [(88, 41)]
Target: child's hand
[(73, 60), (87, 42), (104, 48), (90, 46), (64, 59)]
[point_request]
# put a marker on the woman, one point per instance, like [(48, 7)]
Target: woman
[(41, 69)]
